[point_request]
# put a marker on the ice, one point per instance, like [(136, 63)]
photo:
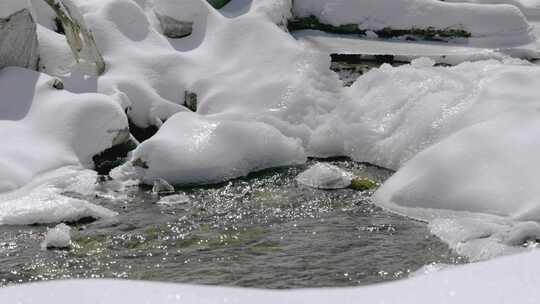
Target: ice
[(45, 200), (325, 176), (57, 237)]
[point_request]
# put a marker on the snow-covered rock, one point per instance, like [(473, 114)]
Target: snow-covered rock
[(511, 26), (57, 237), (191, 149), (325, 176), (43, 128), (18, 36), (530, 8)]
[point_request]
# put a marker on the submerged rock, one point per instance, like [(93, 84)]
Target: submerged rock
[(325, 176), (362, 184), (330, 177), (18, 41)]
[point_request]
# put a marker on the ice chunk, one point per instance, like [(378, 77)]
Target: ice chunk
[(161, 186), (42, 201), (171, 200), (325, 176), (57, 237)]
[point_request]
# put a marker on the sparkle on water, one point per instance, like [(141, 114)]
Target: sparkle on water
[(261, 231)]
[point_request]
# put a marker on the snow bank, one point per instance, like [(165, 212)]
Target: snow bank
[(43, 128), (511, 279), (511, 25), (207, 150)]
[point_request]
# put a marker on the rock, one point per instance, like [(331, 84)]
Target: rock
[(173, 28), (190, 101), (325, 176), (218, 3), (56, 83), (18, 41)]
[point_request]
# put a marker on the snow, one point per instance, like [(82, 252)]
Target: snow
[(511, 279), (68, 128), (530, 8), (511, 26), (325, 176), (57, 237), (8, 7), (394, 113), (206, 150)]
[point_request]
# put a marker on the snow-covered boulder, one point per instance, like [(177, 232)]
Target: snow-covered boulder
[(18, 36), (191, 149), (43, 128), (432, 17), (530, 8)]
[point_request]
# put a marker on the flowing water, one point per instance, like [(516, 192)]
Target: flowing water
[(264, 231)]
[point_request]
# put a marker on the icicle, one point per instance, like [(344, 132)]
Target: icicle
[(79, 37)]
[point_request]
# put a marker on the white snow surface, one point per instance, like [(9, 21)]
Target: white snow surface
[(512, 279)]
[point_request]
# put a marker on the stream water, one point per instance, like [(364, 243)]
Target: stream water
[(264, 230)]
